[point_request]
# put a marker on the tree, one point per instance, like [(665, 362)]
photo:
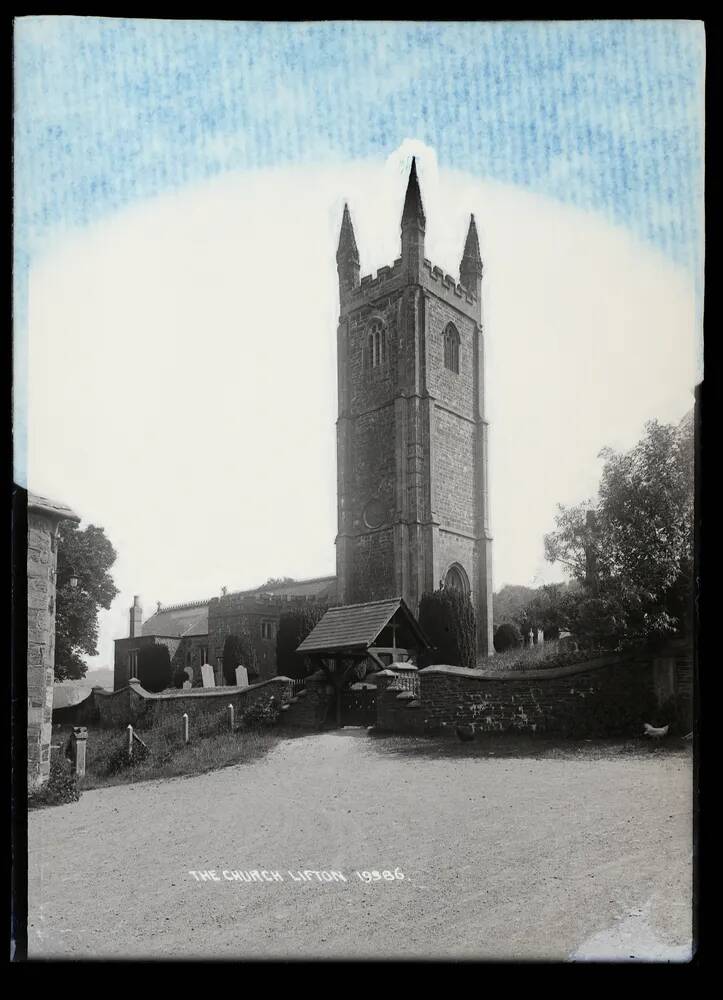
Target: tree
[(154, 667), (507, 636), (633, 558), (276, 581), (239, 650), (294, 626), (88, 556), (509, 601), (447, 617), (546, 609)]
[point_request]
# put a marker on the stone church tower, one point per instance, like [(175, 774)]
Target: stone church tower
[(411, 433)]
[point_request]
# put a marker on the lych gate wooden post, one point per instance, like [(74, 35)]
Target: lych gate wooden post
[(338, 673)]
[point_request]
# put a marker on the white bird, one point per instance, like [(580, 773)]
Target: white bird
[(655, 734)]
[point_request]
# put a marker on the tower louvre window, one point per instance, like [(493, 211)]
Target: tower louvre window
[(376, 345), (451, 348)]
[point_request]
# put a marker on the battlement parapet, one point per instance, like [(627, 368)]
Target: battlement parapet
[(382, 276), (437, 275)]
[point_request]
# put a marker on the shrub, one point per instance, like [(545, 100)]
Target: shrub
[(120, 759), (239, 649), (154, 666), (507, 636), (61, 786), (179, 677), (261, 713), (294, 626), (447, 617)]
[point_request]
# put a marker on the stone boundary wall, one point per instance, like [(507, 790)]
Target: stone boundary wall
[(608, 696), (399, 710), (135, 706)]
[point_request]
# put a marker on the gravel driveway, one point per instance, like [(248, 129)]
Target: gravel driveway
[(507, 851)]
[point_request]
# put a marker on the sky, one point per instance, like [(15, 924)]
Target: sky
[(178, 192)]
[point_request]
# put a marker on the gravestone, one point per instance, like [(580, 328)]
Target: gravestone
[(207, 675), (187, 685), (242, 677)]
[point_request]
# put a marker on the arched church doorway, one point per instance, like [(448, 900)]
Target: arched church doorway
[(456, 579)]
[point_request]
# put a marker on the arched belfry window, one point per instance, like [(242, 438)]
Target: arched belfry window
[(376, 345), (451, 348)]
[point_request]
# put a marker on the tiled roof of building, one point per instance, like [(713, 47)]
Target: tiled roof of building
[(191, 618), (179, 620), (36, 502), (356, 626), (318, 586)]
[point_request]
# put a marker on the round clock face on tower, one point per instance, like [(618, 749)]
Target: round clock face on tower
[(374, 514)]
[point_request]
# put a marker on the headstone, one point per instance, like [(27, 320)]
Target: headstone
[(187, 685), (242, 677), (207, 675)]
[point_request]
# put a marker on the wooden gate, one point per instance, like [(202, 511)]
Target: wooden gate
[(359, 708)]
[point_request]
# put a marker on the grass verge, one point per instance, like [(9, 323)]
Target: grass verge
[(167, 757)]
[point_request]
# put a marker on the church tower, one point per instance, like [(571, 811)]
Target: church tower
[(411, 433)]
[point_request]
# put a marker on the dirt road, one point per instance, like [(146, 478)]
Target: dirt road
[(575, 852)]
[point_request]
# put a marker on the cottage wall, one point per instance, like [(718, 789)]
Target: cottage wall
[(43, 523)]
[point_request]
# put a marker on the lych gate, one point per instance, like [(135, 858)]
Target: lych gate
[(353, 642)]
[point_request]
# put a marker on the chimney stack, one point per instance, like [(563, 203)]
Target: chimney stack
[(136, 617)]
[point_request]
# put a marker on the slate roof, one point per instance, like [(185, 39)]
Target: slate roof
[(356, 626), (36, 502), (179, 620), (318, 586)]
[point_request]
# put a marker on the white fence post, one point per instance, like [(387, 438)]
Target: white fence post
[(185, 727), (230, 717), (80, 736), (130, 740)]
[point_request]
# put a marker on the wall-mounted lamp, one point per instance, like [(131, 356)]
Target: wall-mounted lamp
[(73, 578)]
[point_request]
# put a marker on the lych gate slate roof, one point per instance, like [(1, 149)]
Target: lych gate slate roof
[(181, 620), (356, 626)]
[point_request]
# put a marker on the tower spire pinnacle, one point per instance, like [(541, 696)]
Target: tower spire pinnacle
[(347, 249), (347, 254), (413, 210), (470, 270)]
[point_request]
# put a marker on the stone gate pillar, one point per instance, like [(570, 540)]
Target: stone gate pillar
[(44, 517)]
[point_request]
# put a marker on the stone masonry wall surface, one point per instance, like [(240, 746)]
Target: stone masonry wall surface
[(135, 706), (42, 559), (607, 697)]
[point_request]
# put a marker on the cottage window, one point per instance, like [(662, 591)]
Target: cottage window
[(267, 630)]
